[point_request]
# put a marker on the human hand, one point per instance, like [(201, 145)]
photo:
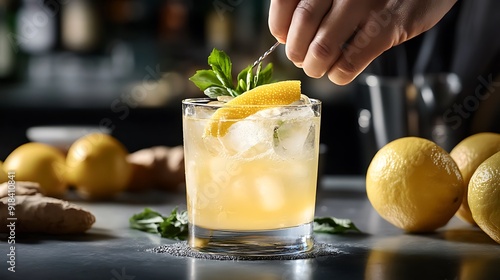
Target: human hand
[(341, 38)]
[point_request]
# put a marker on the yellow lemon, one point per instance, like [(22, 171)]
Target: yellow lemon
[(97, 166), (41, 163), (3, 174), (484, 196), (469, 154), (414, 184), (250, 102)]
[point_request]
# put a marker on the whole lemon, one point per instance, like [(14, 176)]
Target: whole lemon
[(484, 196), (3, 175), (414, 184), (41, 163), (469, 154), (97, 166)]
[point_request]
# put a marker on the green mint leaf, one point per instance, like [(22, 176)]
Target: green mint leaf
[(242, 80), (215, 91), (205, 79), (148, 221), (265, 75), (333, 225), (242, 85), (175, 226), (257, 74), (233, 92), (249, 80), (222, 67), (243, 74)]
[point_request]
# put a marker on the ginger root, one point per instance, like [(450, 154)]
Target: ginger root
[(22, 188), (157, 167), (36, 213)]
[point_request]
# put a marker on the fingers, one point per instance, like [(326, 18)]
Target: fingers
[(280, 17), (372, 39), (341, 37), (335, 29), (306, 20)]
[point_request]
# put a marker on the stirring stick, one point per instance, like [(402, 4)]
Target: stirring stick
[(258, 61)]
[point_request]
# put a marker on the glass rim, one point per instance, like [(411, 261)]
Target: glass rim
[(203, 102)]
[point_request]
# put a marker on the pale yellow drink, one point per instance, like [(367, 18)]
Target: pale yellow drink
[(259, 176)]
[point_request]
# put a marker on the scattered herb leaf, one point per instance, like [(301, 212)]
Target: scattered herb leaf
[(333, 225), (148, 220), (173, 227)]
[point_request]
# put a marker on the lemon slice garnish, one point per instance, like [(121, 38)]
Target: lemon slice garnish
[(249, 103)]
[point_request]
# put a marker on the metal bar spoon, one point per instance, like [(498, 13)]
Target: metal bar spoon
[(267, 53)]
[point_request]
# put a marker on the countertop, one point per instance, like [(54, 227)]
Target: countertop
[(110, 250)]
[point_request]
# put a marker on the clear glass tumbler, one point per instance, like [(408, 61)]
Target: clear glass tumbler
[(251, 180)]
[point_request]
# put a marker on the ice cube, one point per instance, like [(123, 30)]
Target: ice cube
[(224, 98), (293, 138), (310, 142), (245, 134), (268, 114), (298, 112), (270, 192), (285, 113), (263, 192), (246, 138), (191, 178), (304, 100), (284, 128), (203, 112), (189, 111)]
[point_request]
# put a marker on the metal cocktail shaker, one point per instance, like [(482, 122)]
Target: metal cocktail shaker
[(395, 107)]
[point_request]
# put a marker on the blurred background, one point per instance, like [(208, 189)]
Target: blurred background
[(125, 64)]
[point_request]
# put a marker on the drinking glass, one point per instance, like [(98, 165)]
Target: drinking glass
[(251, 182)]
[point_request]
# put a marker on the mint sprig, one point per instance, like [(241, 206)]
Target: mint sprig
[(174, 226), (218, 80), (333, 225)]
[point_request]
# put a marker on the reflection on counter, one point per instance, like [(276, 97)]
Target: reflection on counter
[(389, 258), (469, 254), (474, 268), (200, 269)]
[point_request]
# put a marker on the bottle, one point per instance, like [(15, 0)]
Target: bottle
[(218, 30), (36, 28), (80, 26)]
